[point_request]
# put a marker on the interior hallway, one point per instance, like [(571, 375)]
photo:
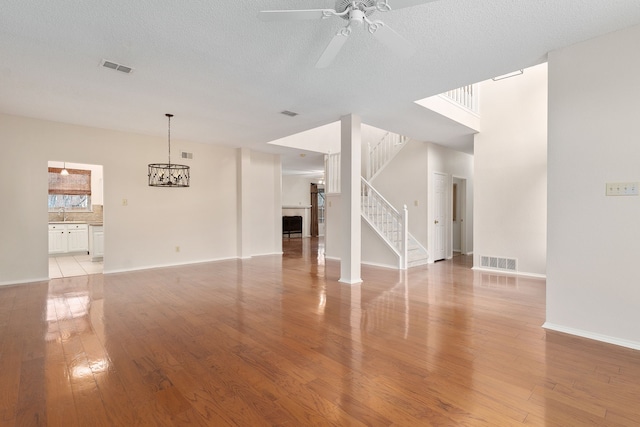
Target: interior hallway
[(278, 341)]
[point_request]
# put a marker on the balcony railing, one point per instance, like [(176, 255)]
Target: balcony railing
[(465, 96)]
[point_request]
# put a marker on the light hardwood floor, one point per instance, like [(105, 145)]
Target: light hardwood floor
[(278, 341)]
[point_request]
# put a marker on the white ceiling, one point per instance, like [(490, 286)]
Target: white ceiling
[(226, 75)]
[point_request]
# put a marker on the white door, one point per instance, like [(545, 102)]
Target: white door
[(439, 215)]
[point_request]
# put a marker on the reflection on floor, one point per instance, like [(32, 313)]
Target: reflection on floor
[(77, 265)]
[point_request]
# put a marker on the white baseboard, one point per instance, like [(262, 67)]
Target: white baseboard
[(352, 282), (149, 267), (592, 335), (375, 264), (22, 282), (511, 273), (266, 254)]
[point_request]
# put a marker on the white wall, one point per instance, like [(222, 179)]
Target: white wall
[(593, 280), (296, 190), (333, 226), (511, 171), (266, 212), (404, 181), (200, 219)]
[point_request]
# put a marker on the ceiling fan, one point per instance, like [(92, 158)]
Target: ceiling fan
[(357, 13)]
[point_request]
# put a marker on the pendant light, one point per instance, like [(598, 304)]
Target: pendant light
[(169, 174), (64, 171)]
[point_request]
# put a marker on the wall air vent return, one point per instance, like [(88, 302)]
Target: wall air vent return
[(499, 263), (288, 113), (115, 66), (186, 155)]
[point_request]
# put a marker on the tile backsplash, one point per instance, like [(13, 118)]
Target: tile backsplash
[(89, 217)]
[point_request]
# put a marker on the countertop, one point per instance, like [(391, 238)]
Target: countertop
[(94, 224)]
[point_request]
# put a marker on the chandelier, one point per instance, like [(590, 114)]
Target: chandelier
[(169, 174)]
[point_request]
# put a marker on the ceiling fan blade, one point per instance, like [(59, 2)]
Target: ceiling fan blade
[(401, 4), (332, 49), (294, 15), (394, 41)]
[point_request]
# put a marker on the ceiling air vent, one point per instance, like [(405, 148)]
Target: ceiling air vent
[(115, 66), (288, 113)]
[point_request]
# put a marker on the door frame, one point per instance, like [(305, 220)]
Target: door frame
[(447, 215), (462, 209)]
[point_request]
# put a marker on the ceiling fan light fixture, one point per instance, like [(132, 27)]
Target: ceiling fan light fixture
[(356, 17), (357, 13), (64, 171)]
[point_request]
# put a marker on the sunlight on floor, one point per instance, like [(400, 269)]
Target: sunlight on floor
[(68, 266)]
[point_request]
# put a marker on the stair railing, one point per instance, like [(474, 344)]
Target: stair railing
[(383, 151), (386, 220)]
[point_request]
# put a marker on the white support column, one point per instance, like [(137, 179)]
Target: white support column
[(351, 159), (243, 217)]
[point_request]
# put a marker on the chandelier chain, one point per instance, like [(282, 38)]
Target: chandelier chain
[(169, 136)]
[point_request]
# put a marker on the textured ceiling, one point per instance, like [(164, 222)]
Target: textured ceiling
[(226, 75)]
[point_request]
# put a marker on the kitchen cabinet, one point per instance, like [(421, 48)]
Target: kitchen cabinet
[(67, 238), (57, 239), (96, 242)]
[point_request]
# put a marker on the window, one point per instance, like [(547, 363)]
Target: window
[(69, 192), (321, 205)]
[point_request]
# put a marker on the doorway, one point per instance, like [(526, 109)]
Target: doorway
[(458, 212), (317, 210), (75, 219)]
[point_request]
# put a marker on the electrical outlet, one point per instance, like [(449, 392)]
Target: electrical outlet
[(622, 189), (125, 202)]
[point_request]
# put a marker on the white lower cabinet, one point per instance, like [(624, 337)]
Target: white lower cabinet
[(65, 238), (96, 242), (57, 239)]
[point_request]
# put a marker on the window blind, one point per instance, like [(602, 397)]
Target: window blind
[(77, 183)]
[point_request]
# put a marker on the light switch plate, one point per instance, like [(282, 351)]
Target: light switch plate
[(622, 189)]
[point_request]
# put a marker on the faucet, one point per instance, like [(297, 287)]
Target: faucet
[(63, 211)]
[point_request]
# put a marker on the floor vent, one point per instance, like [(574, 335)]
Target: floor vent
[(499, 263)]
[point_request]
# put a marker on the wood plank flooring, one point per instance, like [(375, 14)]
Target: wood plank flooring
[(277, 341)]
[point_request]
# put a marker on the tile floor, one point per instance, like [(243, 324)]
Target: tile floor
[(76, 265)]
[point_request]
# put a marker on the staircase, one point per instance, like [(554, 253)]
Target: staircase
[(416, 253), (381, 153), (390, 224)]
